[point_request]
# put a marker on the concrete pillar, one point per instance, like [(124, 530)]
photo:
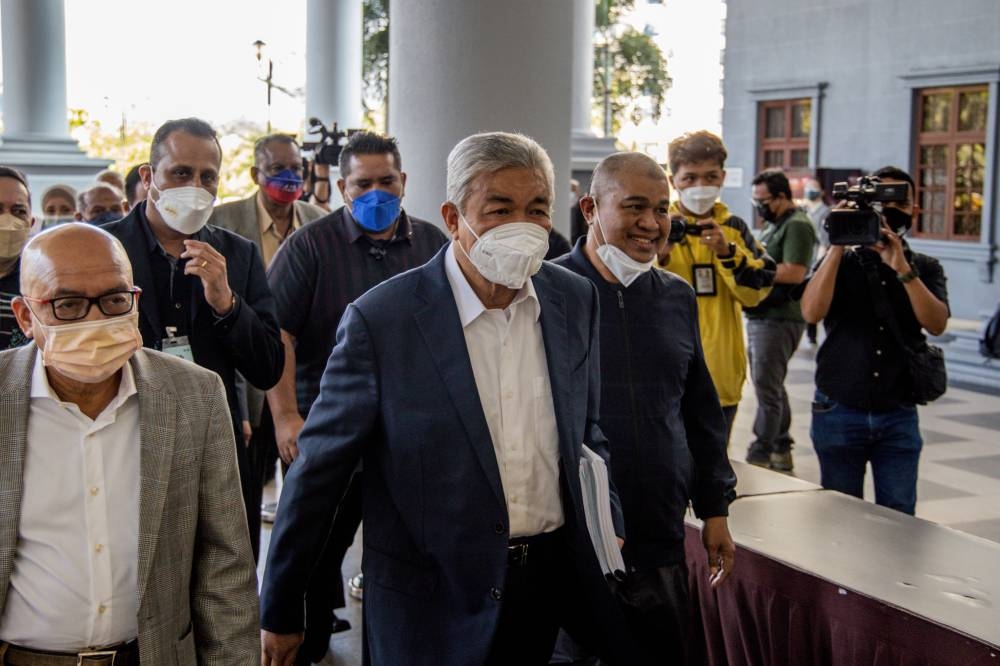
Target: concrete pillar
[(457, 68), (587, 148), (36, 129), (334, 37)]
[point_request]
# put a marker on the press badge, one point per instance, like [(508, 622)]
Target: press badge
[(703, 279), (176, 345)]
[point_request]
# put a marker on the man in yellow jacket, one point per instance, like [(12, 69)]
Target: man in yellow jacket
[(719, 257)]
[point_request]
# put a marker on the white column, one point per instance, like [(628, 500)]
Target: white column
[(334, 37), (588, 148), (36, 135), (34, 70), (457, 68)]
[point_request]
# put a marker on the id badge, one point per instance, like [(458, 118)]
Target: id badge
[(177, 346), (703, 279)]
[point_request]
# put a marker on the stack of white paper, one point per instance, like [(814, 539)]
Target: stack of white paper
[(597, 508)]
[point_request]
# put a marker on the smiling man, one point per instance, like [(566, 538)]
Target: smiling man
[(659, 408), (468, 387)]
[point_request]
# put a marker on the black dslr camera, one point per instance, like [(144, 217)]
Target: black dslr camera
[(861, 225), (679, 227), (327, 149)]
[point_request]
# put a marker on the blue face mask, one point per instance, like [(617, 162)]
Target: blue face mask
[(376, 210)]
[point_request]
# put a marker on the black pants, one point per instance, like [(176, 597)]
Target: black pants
[(259, 455), (325, 590), (655, 604), (532, 603)]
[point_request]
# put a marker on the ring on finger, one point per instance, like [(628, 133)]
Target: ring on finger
[(204, 263)]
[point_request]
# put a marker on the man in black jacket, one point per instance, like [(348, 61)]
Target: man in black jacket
[(205, 297), (659, 408)]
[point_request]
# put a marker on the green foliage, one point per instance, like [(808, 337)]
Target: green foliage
[(375, 62), (636, 66)]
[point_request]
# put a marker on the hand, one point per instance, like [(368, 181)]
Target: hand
[(720, 549), (205, 262), (247, 432), (286, 432), (890, 248), (712, 237), (621, 542), (279, 649)]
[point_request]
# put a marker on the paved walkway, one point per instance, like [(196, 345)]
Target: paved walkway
[(959, 472)]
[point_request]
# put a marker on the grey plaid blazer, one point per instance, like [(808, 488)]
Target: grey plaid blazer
[(197, 582)]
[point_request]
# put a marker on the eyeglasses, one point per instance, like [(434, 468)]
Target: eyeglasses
[(761, 202), (72, 308)]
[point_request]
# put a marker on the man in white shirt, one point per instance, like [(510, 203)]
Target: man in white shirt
[(121, 529), (468, 387)]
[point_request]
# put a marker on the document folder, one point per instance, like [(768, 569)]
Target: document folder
[(597, 508)]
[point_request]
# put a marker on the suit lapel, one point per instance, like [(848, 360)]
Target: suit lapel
[(134, 240), (157, 432), (15, 405), (555, 333), (441, 328)]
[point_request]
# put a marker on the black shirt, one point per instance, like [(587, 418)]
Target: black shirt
[(860, 363), (173, 287), (326, 265), (659, 411)]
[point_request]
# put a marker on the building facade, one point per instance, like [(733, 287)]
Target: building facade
[(837, 89)]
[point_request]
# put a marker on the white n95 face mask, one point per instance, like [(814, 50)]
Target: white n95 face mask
[(622, 266), (508, 254), (699, 200), (185, 209)]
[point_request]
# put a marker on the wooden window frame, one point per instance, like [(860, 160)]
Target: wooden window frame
[(950, 139), (787, 143)]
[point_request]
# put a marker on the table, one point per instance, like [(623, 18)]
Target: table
[(824, 578)]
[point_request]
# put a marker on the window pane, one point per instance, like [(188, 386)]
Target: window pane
[(774, 122), (801, 119), (774, 158), (934, 155), (967, 225), (972, 111), (799, 157), (936, 108)]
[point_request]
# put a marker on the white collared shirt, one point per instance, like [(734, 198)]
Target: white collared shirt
[(74, 583), (508, 361)]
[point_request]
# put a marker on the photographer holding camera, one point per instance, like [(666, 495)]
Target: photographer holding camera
[(874, 299)]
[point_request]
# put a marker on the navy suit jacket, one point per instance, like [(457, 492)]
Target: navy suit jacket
[(399, 394), (248, 340)]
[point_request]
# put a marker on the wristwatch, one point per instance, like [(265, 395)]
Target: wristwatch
[(908, 277)]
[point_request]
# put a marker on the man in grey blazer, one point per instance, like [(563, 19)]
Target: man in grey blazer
[(266, 218), (121, 518)]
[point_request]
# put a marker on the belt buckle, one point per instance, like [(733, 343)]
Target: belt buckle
[(517, 555), (80, 656)]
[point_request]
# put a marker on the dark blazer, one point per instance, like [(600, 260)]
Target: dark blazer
[(247, 340), (399, 394)]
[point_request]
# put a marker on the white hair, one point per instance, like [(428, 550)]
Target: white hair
[(490, 152)]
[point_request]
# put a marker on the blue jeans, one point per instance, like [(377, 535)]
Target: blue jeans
[(846, 439)]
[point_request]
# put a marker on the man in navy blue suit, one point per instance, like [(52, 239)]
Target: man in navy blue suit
[(467, 387)]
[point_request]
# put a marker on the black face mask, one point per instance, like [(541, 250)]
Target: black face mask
[(766, 213), (899, 221)]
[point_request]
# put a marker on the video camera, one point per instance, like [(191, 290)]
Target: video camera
[(679, 227), (327, 149), (861, 225)]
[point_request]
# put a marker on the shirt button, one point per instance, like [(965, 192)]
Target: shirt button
[(883, 283), (513, 499), (101, 609), (878, 352), (177, 305), (499, 528), (495, 592), (99, 548), (94, 490), (875, 374)]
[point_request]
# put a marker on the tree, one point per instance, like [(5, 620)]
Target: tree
[(628, 64), (375, 62)]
